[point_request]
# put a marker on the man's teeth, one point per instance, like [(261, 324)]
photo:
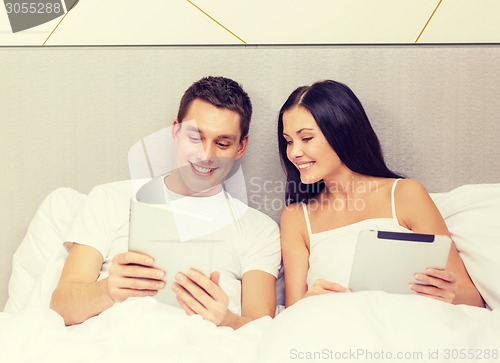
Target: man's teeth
[(202, 170), (302, 166)]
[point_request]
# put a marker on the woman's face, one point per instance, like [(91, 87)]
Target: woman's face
[(307, 147)]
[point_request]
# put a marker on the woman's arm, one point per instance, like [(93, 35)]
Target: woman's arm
[(295, 253), (416, 210)]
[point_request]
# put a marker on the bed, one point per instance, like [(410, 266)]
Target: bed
[(87, 121)]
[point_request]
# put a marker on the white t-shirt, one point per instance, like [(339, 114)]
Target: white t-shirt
[(251, 238)]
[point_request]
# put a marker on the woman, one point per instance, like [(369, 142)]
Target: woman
[(337, 185)]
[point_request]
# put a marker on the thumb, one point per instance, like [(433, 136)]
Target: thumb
[(214, 276)]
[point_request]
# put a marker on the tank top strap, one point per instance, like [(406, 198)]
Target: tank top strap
[(308, 223), (393, 203)]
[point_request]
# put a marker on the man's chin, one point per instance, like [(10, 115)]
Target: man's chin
[(198, 185)]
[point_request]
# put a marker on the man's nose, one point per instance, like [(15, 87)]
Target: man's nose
[(208, 151)]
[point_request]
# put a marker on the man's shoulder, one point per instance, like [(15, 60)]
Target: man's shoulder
[(252, 215), (120, 187), (116, 191)]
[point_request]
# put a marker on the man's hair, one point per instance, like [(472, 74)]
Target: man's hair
[(222, 93)]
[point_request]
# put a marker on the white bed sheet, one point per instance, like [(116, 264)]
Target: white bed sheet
[(350, 327), (377, 326)]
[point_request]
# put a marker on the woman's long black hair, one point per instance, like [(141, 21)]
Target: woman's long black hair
[(344, 123)]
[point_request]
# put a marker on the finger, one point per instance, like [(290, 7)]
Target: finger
[(194, 289), (441, 274), (316, 290), (428, 290), (215, 277), (120, 294), (133, 257), (208, 285), (188, 299), (440, 298), (139, 284), (185, 307), (434, 281), (331, 286), (140, 272)]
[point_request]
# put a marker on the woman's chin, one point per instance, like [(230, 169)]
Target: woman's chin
[(308, 179)]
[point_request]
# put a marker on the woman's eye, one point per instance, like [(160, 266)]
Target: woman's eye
[(194, 139), (289, 142), (307, 139)]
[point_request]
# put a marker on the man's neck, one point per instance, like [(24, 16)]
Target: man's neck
[(175, 184)]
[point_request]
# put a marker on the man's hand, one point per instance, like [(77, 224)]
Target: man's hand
[(132, 274), (198, 294), (321, 286), (440, 285)]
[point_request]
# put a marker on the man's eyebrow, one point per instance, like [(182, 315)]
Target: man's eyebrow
[(224, 136), (228, 137), (193, 128)]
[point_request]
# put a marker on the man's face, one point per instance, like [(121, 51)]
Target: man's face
[(207, 143)]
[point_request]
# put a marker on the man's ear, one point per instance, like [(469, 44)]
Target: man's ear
[(242, 147), (176, 126)]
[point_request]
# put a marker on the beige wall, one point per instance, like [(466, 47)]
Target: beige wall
[(69, 115)]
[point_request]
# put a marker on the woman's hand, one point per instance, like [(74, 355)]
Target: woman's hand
[(321, 286), (439, 284), (198, 294)]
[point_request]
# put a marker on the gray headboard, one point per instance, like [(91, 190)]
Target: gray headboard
[(69, 115)]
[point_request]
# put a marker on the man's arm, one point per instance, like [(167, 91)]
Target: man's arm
[(79, 295), (258, 298)]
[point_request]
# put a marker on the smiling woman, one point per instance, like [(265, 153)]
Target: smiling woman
[(327, 142)]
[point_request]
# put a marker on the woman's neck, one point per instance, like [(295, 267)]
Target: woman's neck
[(347, 184)]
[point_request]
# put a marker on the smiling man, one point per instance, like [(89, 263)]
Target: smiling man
[(210, 133)]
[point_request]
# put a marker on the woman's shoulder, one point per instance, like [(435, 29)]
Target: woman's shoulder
[(292, 211), (410, 189)]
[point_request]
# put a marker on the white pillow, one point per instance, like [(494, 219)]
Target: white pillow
[(472, 214), (43, 240)]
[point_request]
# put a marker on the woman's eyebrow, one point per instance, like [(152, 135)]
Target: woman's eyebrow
[(303, 129)]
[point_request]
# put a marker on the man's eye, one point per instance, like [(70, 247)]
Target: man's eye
[(223, 145), (194, 139)]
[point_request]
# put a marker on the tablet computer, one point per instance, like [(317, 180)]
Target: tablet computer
[(153, 231), (388, 261)]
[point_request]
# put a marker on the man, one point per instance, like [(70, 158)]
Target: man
[(210, 133)]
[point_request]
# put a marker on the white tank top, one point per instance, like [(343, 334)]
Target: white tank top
[(332, 252)]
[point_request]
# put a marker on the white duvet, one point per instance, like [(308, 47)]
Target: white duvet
[(351, 327)]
